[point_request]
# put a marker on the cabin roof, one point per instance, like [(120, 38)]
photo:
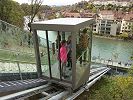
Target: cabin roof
[(63, 24)]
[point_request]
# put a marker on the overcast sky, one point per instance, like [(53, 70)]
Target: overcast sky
[(53, 2)]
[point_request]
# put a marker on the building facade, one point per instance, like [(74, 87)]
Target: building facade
[(106, 27), (127, 23), (105, 24)]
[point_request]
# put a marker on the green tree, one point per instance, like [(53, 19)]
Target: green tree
[(124, 35), (26, 8), (102, 7), (90, 6), (131, 33), (94, 10), (11, 12)]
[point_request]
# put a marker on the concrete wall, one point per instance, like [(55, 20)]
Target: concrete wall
[(113, 29)]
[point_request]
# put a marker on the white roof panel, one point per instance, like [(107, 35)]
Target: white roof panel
[(62, 24)]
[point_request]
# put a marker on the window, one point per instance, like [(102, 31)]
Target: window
[(108, 24), (107, 32), (102, 28), (108, 29), (102, 21), (94, 29)]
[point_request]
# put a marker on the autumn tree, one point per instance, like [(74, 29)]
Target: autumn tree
[(33, 10), (11, 12)]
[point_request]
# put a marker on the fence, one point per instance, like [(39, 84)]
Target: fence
[(17, 57)]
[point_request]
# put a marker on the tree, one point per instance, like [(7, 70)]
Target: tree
[(89, 6), (34, 10), (26, 8), (109, 7), (131, 33), (11, 12), (94, 10), (124, 35), (102, 7)]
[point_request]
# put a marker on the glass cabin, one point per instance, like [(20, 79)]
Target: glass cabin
[(64, 60)]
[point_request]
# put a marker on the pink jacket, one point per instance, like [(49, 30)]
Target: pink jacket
[(63, 54)]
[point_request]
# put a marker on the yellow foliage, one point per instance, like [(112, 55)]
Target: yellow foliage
[(123, 82)]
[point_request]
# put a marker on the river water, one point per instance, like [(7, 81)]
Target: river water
[(104, 48)]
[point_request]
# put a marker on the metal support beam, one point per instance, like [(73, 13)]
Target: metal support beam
[(59, 54), (74, 59), (90, 45), (50, 73), (36, 47)]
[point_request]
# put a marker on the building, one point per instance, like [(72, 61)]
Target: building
[(127, 22), (72, 15), (113, 2), (27, 20), (106, 27), (106, 24), (106, 14)]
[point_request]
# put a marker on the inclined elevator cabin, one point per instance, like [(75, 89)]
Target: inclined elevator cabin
[(77, 69)]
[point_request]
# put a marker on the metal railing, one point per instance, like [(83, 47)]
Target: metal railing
[(17, 57)]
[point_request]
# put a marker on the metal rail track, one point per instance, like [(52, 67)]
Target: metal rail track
[(52, 92)]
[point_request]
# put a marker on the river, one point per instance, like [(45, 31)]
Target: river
[(105, 48)]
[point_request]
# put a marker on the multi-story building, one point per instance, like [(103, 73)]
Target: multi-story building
[(106, 24), (127, 23)]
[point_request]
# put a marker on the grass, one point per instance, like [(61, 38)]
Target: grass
[(110, 88), (13, 56), (8, 55)]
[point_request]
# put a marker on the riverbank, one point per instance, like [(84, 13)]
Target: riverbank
[(112, 38), (105, 37)]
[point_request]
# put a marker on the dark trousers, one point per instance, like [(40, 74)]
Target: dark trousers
[(69, 62)]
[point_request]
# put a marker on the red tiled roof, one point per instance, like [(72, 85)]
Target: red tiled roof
[(88, 15), (106, 12), (119, 15), (128, 17), (75, 15)]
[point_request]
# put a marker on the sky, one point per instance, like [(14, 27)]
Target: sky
[(53, 2)]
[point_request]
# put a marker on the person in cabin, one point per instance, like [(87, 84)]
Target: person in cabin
[(58, 39), (83, 44), (69, 52), (63, 56)]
